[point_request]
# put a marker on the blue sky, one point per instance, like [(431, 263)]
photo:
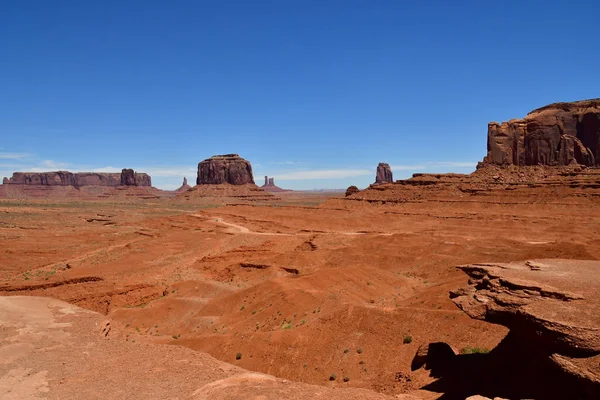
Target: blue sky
[(314, 93)]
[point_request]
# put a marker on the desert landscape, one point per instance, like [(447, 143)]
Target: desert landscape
[(439, 286)]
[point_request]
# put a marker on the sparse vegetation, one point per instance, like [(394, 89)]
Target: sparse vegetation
[(242, 307), (474, 350), (346, 379), (346, 351), (359, 350), (407, 339), (238, 356), (332, 377)]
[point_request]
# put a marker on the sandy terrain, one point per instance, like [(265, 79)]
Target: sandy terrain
[(301, 288)]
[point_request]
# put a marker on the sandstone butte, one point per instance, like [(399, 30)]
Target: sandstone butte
[(556, 135), (222, 169), (270, 186), (127, 177), (384, 174)]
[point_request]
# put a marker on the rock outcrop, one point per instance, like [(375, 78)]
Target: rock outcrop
[(270, 186), (384, 174), (351, 190), (228, 168), (551, 305), (184, 186), (127, 177), (556, 135)]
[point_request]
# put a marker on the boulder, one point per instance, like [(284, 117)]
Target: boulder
[(555, 135), (384, 174), (228, 168), (351, 190), (552, 306)]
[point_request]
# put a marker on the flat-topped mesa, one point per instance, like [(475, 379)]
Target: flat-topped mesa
[(228, 168), (556, 135), (127, 177), (384, 174)]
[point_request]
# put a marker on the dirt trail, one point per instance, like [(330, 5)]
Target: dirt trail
[(243, 229)]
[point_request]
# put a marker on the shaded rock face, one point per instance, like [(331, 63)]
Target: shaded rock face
[(552, 306), (351, 190), (384, 174), (556, 135), (229, 168), (127, 177)]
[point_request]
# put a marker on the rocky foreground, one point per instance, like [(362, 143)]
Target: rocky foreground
[(54, 350), (552, 308)]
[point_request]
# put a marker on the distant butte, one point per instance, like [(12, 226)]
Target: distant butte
[(270, 186), (127, 177), (384, 174), (228, 168)]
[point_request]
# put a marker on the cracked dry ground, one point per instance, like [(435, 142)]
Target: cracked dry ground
[(348, 288)]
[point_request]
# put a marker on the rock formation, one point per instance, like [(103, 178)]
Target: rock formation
[(228, 168), (384, 174), (127, 177), (270, 186), (184, 186), (351, 190), (557, 134), (552, 306)]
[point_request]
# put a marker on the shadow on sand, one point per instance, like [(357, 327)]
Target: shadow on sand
[(512, 370)]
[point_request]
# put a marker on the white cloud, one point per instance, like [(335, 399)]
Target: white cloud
[(433, 165), (13, 156), (458, 164), (322, 174)]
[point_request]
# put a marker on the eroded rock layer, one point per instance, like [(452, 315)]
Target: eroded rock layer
[(557, 134)]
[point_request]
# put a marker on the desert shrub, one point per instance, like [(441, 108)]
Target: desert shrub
[(474, 350), (407, 339), (238, 356), (332, 377)]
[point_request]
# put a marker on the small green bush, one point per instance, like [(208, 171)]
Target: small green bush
[(359, 350), (238, 356), (332, 377), (346, 379), (474, 350), (407, 339)]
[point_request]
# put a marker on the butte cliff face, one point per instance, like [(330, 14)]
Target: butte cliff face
[(228, 168), (384, 174), (555, 135), (127, 177)]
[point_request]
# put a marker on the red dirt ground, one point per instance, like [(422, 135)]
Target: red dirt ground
[(352, 286)]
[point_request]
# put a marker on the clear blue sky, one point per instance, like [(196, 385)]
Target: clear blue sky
[(314, 93)]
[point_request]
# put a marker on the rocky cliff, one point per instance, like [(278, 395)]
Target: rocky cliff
[(127, 177), (556, 135), (384, 174), (228, 168), (550, 306)]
